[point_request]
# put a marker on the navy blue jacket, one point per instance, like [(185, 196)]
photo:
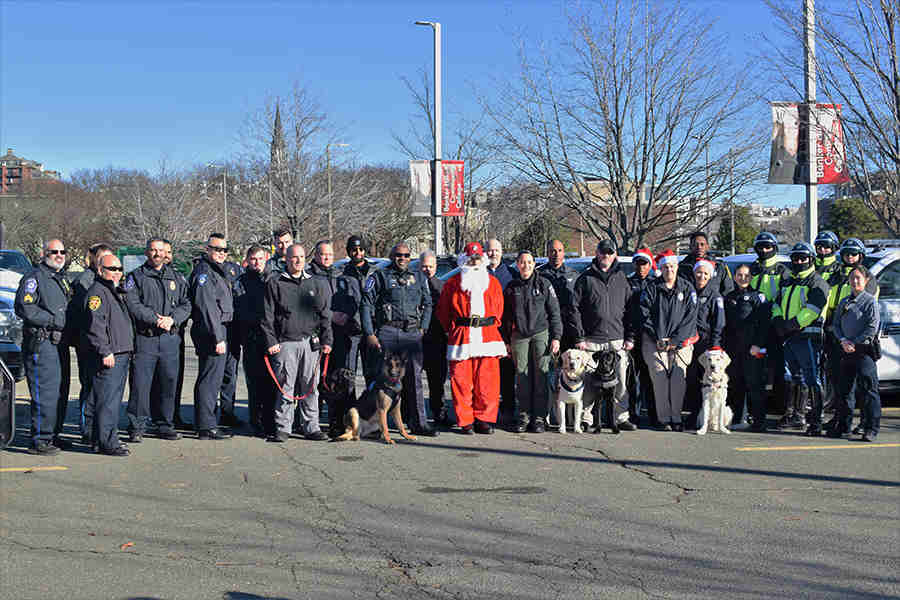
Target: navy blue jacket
[(42, 299), (504, 274), (669, 313), (396, 296), (710, 317), (213, 304), (348, 295), (109, 326), (149, 292), (249, 298), (746, 321)]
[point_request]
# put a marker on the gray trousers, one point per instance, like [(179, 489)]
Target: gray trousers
[(532, 360), (620, 394), (297, 369)]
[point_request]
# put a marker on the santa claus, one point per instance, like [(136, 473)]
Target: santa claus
[(469, 309)]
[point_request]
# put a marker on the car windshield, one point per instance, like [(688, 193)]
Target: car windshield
[(14, 261)]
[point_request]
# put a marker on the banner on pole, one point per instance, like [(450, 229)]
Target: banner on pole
[(420, 185), (452, 188), (789, 159)]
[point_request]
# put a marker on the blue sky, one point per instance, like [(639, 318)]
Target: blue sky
[(91, 84)]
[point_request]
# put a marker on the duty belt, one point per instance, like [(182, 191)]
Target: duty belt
[(475, 321), (404, 325)]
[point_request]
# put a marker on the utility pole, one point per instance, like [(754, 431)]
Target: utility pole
[(437, 173), (731, 194), (330, 199), (809, 70)]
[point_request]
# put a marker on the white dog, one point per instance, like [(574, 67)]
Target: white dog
[(715, 415), (575, 364)]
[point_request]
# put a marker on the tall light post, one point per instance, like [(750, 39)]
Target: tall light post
[(224, 191), (436, 173), (330, 199), (809, 68)]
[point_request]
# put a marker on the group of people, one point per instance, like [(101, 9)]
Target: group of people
[(495, 330)]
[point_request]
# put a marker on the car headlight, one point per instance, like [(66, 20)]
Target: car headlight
[(10, 327)]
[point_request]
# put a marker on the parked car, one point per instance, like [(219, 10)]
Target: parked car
[(13, 260), (10, 332)]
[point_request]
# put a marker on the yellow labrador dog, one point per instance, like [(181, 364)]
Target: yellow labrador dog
[(575, 364), (715, 414)]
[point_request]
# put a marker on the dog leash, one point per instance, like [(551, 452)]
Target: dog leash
[(281, 389)]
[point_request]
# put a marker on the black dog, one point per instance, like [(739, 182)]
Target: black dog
[(338, 391), (604, 380)]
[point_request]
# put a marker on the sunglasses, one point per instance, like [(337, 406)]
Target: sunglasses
[(113, 269), (63, 252), (218, 248), (402, 255), (357, 249)]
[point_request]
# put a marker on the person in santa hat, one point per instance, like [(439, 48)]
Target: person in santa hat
[(469, 310), (641, 390), (710, 325)]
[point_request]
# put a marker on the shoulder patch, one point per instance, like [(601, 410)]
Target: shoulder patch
[(201, 279), (129, 283), (94, 302), (370, 283), (31, 285), (27, 299), (172, 285)]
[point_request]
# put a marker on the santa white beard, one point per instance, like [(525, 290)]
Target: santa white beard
[(474, 279)]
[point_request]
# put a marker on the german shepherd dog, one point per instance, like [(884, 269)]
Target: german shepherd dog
[(605, 379), (338, 391), (380, 398)]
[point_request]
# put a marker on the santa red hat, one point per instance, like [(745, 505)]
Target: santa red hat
[(702, 263), (645, 254), (471, 249), (665, 257)]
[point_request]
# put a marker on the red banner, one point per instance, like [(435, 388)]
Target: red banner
[(452, 188), (830, 166)]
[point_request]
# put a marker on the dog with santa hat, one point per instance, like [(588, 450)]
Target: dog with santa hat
[(469, 309)]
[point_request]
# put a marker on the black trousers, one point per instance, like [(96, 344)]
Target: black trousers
[(746, 382), (47, 370), (229, 375), (507, 389), (434, 361), (108, 387), (261, 389), (155, 361), (85, 402)]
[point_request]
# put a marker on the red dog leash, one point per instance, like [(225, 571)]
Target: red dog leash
[(281, 389)]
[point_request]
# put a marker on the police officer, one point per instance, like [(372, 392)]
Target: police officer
[(829, 267), (396, 308), (213, 308), (721, 279), (798, 317), (42, 301), (504, 274), (182, 332), (249, 296), (76, 321), (766, 275), (227, 417), (641, 393), (158, 303), (710, 324), (283, 240), (110, 337), (434, 344), (345, 304), (827, 244)]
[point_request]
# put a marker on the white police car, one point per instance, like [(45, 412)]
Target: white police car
[(10, 324)]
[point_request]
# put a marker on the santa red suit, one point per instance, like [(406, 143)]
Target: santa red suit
[(469, 310)]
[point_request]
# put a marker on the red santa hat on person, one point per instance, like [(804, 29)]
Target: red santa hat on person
[(645, 254), (666, 257), (702, 263), (471, 249)]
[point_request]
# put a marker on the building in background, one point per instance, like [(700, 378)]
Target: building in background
[(17, 173)]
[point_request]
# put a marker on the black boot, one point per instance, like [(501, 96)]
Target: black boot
[(790, 392)]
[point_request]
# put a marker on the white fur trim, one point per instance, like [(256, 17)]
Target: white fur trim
[(666, 260), (475, 350), (643, 255), (705, 263)]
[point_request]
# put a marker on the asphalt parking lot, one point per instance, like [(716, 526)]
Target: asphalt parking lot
[(644, 514)]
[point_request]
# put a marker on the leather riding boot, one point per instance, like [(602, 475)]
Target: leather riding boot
[(801, 395), (789, 395)]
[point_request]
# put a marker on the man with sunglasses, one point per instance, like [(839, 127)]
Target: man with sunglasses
[(110, 339), (158, 303), (396, 309), (213, 309), (42, 302)]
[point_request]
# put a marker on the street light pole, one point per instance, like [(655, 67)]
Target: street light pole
[(809, 68), (224, 192), (437, 173), (330, 199)]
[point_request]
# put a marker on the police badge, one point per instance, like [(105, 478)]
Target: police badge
[(172, 285), (94, 302)]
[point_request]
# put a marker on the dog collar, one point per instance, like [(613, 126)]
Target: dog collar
[(571, 390)]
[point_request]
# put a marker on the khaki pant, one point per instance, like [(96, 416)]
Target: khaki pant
[(668, 372)]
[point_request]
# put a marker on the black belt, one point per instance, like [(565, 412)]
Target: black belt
[(475, 321), (404, 325)]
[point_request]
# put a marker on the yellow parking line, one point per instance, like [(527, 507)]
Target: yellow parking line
[(823, 447), (30, 469)]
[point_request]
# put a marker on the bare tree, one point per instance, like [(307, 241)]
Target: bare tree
[(856, 65), (618, 121)]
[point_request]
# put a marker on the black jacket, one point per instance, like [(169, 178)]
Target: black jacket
[(746, 321), (638, 285), (249, 306), (394, 296), (42, 299), (563, 280), (149, 292), (213, 304), (109, 326), (296, 308), (710, 317), (721, 280), (669, 313), (348, 295), (76, 319), (529, 307), (598, 310), (435, 332)]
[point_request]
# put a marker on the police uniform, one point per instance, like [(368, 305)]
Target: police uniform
[(109, 331), (348, 338), (710, 324), (396, 307), (641, 394), (276, 265), (232, 356), (766, 276), (42, 302), (249, 297), (746, 324), (148, 294), (798, 318), (504, 275), (213, 310), (76, 321), (434, 355)]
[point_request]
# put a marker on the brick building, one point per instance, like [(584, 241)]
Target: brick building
[(17, 173)]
